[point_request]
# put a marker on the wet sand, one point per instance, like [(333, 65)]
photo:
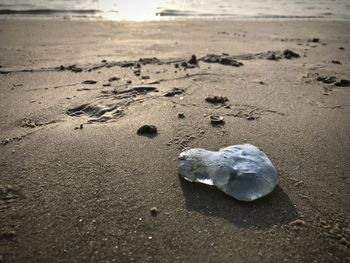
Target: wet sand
[(78, 183)]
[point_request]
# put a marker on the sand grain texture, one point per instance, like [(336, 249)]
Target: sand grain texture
[(77, 182)]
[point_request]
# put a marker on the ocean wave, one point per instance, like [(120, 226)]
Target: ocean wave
[(47, 11)]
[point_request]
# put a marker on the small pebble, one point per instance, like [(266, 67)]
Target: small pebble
[(89, 81), (147, 129), (216, 119), (216, 99), (193, 60), (181, 115), (154, 211), (113, 79)]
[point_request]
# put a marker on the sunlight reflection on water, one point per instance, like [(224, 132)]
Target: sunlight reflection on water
[(141, 10)]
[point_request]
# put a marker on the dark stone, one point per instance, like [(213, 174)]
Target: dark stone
[(216, 99), (113, 79), (222, 59), (314, 40), (145, 61), (343, 83), (181, 115), (74, 68), (77, 70), (193, 60), (342, 48), (288, 54), (327, 80), (147, 130), (173, 92), (230, 62), (127, 64), (104, 61), (145, 77), (154, 211), (89, 81), (336, 62), (137, 72)]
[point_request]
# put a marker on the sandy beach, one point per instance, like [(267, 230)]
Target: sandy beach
[(78, 184)]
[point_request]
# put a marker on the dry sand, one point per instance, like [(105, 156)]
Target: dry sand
[(80, 188)]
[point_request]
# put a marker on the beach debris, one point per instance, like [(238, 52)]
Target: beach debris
[(106, 84), (75, 69), (223, 59), (72, 68), (341, 48), (147, 130), (343, 83), (81, 126), (187, 65), (113, 79), (193, 60), (216, 119), (82, 89), (129, 81), (241, 171), (154, 211), (327, 80), (314, 40), (181, 115), (103, 61), (127, 64), (137, 72), (145, 61), (216, 99), (89, 81), (259, 82), (336, 62), (138, 90), (28, 123), (288, 54), (173, 92), (271, 55), (145, 77)]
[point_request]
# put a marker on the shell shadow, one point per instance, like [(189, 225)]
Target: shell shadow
[(274, 209)]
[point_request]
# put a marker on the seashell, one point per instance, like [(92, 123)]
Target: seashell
[(216, 119), (241, 171)]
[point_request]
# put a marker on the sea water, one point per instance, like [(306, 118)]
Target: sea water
[(169, 9)]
